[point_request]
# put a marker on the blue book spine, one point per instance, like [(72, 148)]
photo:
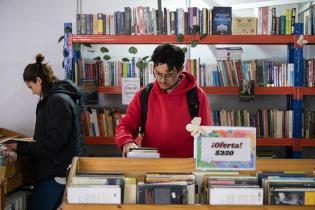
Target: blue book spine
[(298, 82)]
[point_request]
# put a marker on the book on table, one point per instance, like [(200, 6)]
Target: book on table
[(13, 139)]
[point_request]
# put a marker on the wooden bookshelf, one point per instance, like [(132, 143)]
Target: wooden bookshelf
[(138, 167), (296, 92)]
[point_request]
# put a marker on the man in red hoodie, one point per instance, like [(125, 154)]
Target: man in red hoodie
[(168, 111)]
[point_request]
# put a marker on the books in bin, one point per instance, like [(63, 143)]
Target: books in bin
[(261, 175), (276, 190), (292, 196), (172, 178), (241, 190), (143, 152), (236, 196), (96, 188), (162, 193)]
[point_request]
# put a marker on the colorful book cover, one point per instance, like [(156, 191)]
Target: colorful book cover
[(226, 148), (222, 20), (247, 90)]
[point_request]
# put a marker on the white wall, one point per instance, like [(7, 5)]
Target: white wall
[(28, 27)]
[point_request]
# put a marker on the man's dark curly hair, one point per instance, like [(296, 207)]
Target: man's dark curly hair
[(170, 54)]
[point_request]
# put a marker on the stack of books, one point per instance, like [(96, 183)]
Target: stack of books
[(98, 188), (143, 152)]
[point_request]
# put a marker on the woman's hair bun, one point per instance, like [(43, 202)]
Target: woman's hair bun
[(39, 58)]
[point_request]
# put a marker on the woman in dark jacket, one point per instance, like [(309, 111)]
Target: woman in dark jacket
[(56, 134)]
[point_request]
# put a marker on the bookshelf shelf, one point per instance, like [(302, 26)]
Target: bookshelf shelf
[(210, 39), (307, 91), (307, 142), (310, 39), (99, 140), (276, 142), (260, 141), (219, 90), (110, 89)]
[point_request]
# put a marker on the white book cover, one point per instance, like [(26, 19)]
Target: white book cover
[(236, 196), (79, 180), (143, 155), (98, 194)]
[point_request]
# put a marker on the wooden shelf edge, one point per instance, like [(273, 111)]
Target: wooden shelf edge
[(187, 39), (100, 140), (67, 206)]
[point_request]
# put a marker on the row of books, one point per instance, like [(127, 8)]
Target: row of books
[(309, 21), (146, 20), (16, 201), (212, 187), (100, 122), (226, 73), (309, 72), (269, 123), (308, 122), (216, 20), (277, 25), (109, 73)]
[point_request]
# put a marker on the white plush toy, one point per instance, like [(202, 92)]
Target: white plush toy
[(195, 127)]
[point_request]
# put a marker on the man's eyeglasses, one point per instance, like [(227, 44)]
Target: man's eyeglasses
[(160, 76)]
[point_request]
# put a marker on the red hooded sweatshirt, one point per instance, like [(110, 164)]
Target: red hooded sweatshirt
[(167, 117)]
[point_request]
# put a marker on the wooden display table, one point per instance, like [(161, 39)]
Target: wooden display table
[(138, 167), (13, 175)]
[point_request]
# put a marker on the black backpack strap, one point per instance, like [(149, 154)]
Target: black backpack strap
[(193, 102), (144, 97)]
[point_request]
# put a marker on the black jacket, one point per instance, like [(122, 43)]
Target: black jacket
[(56, 132)]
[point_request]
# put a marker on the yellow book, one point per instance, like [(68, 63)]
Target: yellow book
[(309, 198), (100, 26), (288, 15)]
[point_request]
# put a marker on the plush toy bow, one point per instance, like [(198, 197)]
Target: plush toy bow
[(195, 129), (301, 41)]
